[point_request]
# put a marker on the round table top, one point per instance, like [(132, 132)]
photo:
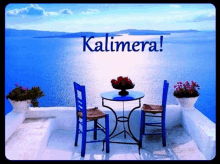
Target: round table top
[(114, 96)]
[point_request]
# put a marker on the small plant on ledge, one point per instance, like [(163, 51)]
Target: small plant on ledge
[(186, 94), (20, 93)]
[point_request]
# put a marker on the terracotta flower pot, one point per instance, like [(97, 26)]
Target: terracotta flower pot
[(20, 106), (187, 102)]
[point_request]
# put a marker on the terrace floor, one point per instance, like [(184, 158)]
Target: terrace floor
[(23, 144), (179, 147)]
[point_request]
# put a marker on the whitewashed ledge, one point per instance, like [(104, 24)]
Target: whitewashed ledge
[(197, 126), (201, 129)]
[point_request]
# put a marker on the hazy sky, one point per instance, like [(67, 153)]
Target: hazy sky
[(110, 17)]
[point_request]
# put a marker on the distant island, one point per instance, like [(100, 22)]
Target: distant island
[(48, 34), (79, 35), (150, 32)]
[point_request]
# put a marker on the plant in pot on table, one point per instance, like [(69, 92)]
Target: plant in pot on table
[(21, 97), (122, 83), (186, 94)]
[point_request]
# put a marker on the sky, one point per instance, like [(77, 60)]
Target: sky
[(96, 17)]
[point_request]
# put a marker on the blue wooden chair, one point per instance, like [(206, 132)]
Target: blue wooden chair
[(153, 109), (84, 115)]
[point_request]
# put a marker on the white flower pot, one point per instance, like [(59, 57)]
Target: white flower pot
[(20, 106), (187, 102)]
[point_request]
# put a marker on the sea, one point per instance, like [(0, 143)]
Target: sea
[(55, 63)]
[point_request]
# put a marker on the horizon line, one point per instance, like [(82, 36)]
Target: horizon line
[(109, 31)]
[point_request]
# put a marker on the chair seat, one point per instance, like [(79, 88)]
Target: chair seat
[(93, 114), (152, 108)]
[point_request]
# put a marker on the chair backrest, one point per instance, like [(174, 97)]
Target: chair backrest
[(164, 97), (80, 97)]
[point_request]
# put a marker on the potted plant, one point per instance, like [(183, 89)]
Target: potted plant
[(186, 94), (21, 97), (122, 83)]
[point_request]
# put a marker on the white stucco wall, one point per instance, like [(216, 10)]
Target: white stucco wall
[(12, 121), (65, 116)]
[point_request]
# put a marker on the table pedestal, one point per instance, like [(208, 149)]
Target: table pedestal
[(123, 119)]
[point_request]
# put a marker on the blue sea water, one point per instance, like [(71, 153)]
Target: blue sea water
[(55, 63)]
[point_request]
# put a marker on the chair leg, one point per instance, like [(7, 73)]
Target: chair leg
[(95, 131), (77, 131), (141, 128), (107, 133), (164, 134), (83, 148)]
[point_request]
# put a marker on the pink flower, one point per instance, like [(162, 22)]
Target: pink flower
[(186, 89), (24, 88), (16, 84)]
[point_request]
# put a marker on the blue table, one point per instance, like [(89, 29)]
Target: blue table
[(114, 96)]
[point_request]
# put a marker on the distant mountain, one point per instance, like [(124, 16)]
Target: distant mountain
[(30, 33), (49, 34), (79, 35), (141, 32), (150, 32), (182, 31), (118, 33), (125, 31)]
